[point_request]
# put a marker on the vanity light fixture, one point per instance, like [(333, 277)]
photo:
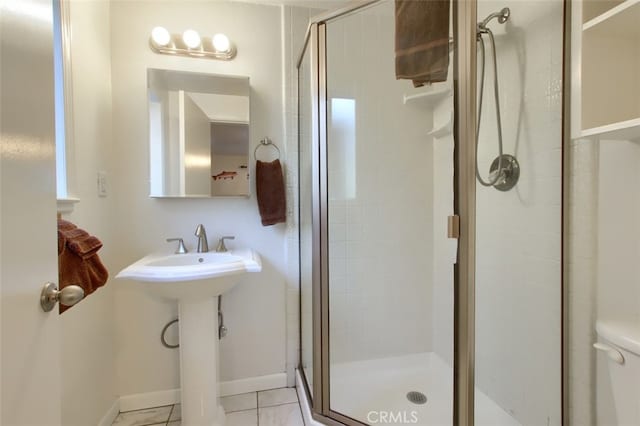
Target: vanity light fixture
[(160, 36), (192, 39), (189, 43), (221, 43)]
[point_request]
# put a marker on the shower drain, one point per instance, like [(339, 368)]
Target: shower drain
[(417, 397)]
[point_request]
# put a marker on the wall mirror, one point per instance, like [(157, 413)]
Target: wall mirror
[(198, 134)]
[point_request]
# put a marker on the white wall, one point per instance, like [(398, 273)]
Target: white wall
[(583, 249), (223, 107), (88, 334), (197, 148), (255, 308), (604, 232), (518, 281), (618, 293), (381, 234)]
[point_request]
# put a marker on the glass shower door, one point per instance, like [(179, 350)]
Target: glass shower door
[(306, 124), (381, 179), (518, 280), (389, 190)]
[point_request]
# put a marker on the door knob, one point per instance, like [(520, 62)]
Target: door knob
[(68, 296)]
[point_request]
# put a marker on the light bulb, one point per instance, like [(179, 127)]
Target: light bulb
[(221, 43), (191, 38), (160, 36)]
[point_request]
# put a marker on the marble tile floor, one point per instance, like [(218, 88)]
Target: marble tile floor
[(276, 407)]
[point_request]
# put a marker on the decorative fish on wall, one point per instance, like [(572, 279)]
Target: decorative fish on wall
[(225, 175)]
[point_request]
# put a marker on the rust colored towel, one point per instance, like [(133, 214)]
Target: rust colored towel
[(422, 40), (78, 262), (271, 196)]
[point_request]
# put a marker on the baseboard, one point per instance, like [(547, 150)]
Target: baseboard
[(253, 384), (141, 401), (304, 402), (111, 414)]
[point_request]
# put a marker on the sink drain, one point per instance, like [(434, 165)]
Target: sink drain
[(417, 397)]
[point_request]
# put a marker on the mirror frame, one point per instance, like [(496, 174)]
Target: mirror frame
[(232, 76)]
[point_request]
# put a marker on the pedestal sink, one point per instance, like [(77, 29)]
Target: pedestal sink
[(195, 280)]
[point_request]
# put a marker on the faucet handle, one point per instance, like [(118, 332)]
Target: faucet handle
[(221, 247), (181, 248)]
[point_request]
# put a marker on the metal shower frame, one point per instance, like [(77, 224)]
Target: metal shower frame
[(465, 99)]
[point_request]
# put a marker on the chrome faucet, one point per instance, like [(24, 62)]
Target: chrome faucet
[(222, 248), (203, 246)]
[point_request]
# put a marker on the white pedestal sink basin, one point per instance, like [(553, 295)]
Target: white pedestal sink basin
[(195, 280)]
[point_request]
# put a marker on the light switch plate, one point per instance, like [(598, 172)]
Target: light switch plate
[(102, 184)]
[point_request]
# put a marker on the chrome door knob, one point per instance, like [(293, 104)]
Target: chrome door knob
[(68, 296)]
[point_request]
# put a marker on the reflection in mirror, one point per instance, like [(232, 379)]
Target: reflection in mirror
[(198, 134)]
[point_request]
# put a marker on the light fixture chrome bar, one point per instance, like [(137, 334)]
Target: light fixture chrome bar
[(206, 49)]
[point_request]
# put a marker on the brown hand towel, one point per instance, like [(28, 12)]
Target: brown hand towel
[(78, 263), (422, 40), (85, 247), (271, 194)]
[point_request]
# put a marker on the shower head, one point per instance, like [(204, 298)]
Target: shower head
[(503, 16)]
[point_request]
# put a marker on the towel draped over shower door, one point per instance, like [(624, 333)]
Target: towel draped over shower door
[(422, 40)]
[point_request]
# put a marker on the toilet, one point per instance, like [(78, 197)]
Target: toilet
[(618, 373)]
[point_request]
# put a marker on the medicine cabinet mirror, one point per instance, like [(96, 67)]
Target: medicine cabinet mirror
[(198, 134)]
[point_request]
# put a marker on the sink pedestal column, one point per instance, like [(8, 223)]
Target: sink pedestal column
[(199, 362)]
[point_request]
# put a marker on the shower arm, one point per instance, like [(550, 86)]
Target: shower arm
[(502, 16)]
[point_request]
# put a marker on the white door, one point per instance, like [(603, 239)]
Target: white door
[(29, 338)]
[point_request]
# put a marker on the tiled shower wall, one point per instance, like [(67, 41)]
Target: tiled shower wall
[(295, 21), (381, 233), (518, 248)]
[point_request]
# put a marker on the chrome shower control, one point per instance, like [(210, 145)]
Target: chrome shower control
[(509, 174)]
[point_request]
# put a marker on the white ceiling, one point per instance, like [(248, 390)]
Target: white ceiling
[(311, 4)]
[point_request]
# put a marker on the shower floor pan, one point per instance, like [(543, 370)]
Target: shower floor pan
[(366, 390)]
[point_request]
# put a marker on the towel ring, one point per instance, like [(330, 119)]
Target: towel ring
[(265, 142)]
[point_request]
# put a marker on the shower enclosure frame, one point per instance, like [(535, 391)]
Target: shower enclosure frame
[(464, 131)]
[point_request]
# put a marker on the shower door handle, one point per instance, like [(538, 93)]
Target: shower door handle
[(453, 226)]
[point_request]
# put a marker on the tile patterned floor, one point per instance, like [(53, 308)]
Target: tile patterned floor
[(276, 407)]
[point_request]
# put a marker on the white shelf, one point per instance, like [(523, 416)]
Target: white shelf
[(427, 98), (66, 205), (622, 20), (624, 130), (443, 129)]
